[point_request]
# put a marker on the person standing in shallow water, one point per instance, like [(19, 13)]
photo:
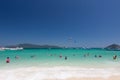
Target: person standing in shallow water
[(115, 57), (65, 57), (8, 60)]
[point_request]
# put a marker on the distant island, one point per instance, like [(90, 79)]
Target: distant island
[(34, 46), (113, 47)]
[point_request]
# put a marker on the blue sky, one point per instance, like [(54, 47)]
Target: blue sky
[(88, 23)]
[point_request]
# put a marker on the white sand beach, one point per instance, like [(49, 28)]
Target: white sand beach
[(60, 73)]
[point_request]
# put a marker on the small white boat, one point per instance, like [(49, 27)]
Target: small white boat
[(2, 49), (17, 48)]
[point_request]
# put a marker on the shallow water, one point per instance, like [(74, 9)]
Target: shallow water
[(46, 64), (51, 57)]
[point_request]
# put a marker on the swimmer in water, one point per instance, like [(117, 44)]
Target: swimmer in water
[(100, 56), (115, 57), (73, 54), (60, 56), (8, 60), (84, 55), (88, 54), (32, 56), (16, 57), (65, 57), (95, 56)]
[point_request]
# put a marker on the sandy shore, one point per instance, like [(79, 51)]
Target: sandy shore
[(60, 73), (110, 78), (97, 78)]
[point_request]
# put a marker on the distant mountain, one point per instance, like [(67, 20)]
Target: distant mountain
[(27, 45), (113, 47), (35, 46)]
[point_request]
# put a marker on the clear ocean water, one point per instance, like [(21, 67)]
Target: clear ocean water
[(56, 57), (50, 64)]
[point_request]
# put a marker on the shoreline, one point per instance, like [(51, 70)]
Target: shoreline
[(60, 73)]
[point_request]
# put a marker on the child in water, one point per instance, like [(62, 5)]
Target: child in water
[(8, 60)]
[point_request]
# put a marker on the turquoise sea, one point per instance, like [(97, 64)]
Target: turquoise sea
[(51, 57), (51, 64)]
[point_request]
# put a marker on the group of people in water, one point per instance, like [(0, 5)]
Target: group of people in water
[(99, 56), (65, 57), (60, 56)]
